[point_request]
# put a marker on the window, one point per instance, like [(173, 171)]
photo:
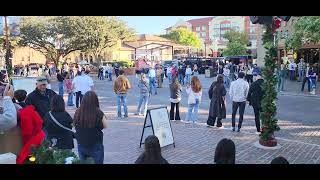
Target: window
[(198, 28), (216, 26), (252, 30), (204, 28), (203, 34), (198, 34)]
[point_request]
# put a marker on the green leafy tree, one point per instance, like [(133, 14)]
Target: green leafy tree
[(43, 32), (237, 43), (306, 29), (235, 48), (184, 36), (233, 35), (101, 32)]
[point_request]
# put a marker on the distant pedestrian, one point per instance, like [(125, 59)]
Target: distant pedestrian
[(292, 70), (281, 75), (121, 87), (144, 95), (301, 69), (238, 94), (61, 82), (312, 78), (152, 80), (175, 98), (194, 91), (255, 96), (159, 73), (249, 75), (69, 89), (225, 152), (81, 84), (217, 93), (188, 74), (89, 121), (152, 152), (226, 74), (180, 75), (306, 79)]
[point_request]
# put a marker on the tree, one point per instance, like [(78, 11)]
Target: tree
[(233, 35), (237, 43), (100, 32), (42, 33), (235, 48), (306, 29), (184, 36)]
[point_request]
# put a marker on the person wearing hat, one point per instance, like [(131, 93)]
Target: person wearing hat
[(41, 97), (254, 97)]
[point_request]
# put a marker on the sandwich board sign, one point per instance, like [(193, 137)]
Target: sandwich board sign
[(157, 123)]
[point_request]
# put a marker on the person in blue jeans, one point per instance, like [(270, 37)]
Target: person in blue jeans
[(152, 80), (188, 74), (312, 78), (194, 91), (121, 87), (60, 78), (281, 75), (110, 72), (144, 95), (89, 122)]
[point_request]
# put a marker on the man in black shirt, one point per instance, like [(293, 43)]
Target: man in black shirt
[(41, 97), (60, 78)]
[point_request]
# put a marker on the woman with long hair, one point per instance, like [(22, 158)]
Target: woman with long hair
[(217, 93), (89, 121), (63, 138), (194, 91), (175, 98), (152, 152), (225, 152)]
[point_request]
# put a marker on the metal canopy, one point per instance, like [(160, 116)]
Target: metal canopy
[(153, 46)]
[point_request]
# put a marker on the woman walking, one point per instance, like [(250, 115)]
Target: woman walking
[(144, 95), (68, 84), (89, 121), (175, 98), (217, 109), (194, 92)]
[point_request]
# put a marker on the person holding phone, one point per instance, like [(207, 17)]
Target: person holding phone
[(8, 113)]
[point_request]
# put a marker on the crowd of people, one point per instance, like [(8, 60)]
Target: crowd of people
[(42, 114)]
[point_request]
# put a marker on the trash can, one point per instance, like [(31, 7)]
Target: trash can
[(209, 73)]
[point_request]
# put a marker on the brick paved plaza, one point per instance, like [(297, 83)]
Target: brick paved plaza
[(299, 136)]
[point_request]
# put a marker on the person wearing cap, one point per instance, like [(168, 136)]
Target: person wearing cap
[(41, 97), (255, 97)]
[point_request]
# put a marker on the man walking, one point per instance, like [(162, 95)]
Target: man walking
[(292, 69), (82, 83), (60, 80), (238, 94), (254, 97), (121, 87)]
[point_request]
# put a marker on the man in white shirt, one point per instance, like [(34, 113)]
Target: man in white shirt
[(82, 83), (188, 75), (152, 80), (238, 94), (226, 74), (292, 69)]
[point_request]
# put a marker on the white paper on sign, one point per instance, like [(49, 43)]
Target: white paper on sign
[(161, 126)]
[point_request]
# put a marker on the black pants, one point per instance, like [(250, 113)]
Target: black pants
[(242, 106), (78, 98), (305, 79), (257, 117), (177, 116), (249, 78), (211, 120)]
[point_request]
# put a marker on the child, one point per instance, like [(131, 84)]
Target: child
[(68, 84), (194, 92), (21, 95), (144, 94)]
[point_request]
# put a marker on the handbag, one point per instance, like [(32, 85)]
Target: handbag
[(60, 125)]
